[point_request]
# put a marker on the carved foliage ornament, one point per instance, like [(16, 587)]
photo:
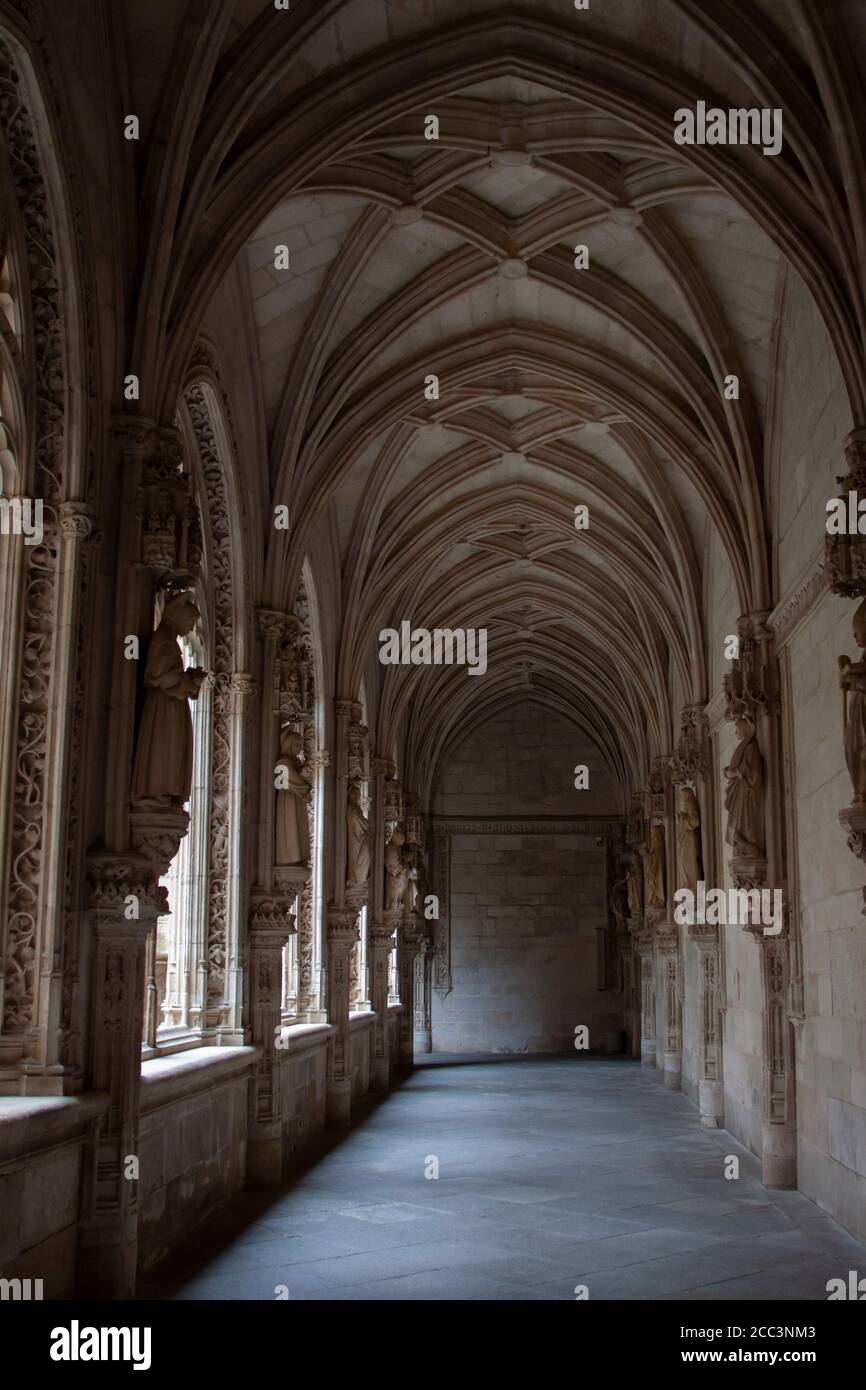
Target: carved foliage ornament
[(45, 278), (222, 666), (690, 759), (750, 684)]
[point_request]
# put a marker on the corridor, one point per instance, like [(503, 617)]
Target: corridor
[(553, 1172)]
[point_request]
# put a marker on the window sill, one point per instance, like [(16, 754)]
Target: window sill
[(166, 1079)]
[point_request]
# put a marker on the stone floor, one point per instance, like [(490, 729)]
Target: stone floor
[(553, 1172)]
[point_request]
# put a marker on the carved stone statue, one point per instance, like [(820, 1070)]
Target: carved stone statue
[(395, 872), (689, 840), (654, 868), (163, 755), (852, 679), (357, 840), (744, 796), (412, 888), (619, 904), (292, 830), (633, 880)]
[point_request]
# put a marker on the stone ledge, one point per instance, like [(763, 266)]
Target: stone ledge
[(28, 1123), (167, 1079), (305, 1037)]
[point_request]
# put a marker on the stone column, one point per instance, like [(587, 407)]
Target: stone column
[(423, 998), (270, 928), (411, 939), (668, 944), (380, 943), (752, 691), (342, 935), (124, 902), (644, 962), (381, 926), (276, 628), (711, 1095), (40, 723)]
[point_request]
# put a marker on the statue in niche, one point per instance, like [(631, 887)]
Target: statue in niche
[(412, 887), (395, 872), (619, 902), (654, 868), (633, 879), (852, 679), (163, 755), (689, 839), (292, 831), (744, 795), (357, 840)]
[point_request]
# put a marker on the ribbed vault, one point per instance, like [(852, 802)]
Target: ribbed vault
[(558, 386)]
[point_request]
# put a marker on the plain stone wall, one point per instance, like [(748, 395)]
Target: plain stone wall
[(360, 1043), (831, 1055), (691, 1019), (524, 913), (522, 764), (192, 1153), (524, 908), (303, 1081), (43, 1152)]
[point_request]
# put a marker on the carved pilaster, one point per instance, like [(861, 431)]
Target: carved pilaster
[(270, 927), (124, 901), (341, 937), (648, 1007), (380, 944), (423, 1011), (779, 1135), (711, 1100), (410, 940)]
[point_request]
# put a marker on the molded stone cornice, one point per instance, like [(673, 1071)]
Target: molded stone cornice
[(610, 827), (794, 609)]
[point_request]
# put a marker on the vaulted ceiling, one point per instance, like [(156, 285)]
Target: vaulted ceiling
[(558, 386)]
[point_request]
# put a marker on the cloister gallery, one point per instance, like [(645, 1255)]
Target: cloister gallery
[(433, 820)]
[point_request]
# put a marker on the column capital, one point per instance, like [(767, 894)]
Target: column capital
[(273, 623), (348, 709), (667, 938), (342, 930), (271, 913), (156, 829), (113, 880), (76, 520), (241, 683)]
